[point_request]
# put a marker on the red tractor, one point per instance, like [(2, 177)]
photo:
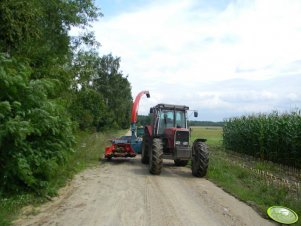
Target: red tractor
[(168, 138)]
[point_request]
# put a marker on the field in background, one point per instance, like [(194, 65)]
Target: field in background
[(261, 184), (213, 134)]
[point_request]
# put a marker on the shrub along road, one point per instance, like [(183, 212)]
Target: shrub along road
[(122, 192)]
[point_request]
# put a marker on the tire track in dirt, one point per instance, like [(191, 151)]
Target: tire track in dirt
[(122, 192)]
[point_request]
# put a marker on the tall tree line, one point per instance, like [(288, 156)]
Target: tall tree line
[(50, 85)]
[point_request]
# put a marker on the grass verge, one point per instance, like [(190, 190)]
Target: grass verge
[(259, 184), (88, 149)]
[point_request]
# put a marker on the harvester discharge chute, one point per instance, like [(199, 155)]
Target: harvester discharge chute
[(128, 146)]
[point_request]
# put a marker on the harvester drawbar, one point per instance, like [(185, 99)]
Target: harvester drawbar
[(128, 146)]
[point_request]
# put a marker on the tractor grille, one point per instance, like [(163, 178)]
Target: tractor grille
[(182, 149), (182, 152), (182, 136)]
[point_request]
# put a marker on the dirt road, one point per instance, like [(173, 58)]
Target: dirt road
[(122, 192)]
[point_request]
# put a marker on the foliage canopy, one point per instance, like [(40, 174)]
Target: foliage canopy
[(49, 83)]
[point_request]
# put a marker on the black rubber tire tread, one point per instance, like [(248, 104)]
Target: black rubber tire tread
[(200, 159), (179, 162), (156, 157), (145, 149)]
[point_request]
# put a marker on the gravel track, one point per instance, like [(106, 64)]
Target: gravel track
[(122, 192)]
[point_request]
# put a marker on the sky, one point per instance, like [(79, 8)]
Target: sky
[(224, 58)]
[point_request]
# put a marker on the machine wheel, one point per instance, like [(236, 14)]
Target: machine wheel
[(179, 162), (145, 150), (155, 157), (200, 159)]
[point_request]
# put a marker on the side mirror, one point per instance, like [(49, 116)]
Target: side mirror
[(151, 111), (195, 113)]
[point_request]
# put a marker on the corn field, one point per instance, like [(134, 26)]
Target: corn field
[(273, 137)]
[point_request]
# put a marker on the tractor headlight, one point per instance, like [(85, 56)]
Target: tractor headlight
[(178, 142), (185, 143)]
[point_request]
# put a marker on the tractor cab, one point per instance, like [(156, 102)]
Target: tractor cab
[(169, 116)]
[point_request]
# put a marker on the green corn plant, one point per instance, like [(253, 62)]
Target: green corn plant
[(274, 137)]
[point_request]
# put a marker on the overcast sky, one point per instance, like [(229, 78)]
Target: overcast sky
[(223, 58)]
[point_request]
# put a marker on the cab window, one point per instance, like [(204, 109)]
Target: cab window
[(166, 120), (180, 119)]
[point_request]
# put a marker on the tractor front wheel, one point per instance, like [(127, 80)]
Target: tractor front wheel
[(156, 157), (179, 162), (145, 150), (200, 159)]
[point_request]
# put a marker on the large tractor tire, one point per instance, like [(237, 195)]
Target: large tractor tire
[(156, 157), (179, 162), (145, 149), (200, 159)]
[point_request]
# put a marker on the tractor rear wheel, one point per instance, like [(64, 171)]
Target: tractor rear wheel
[(156, 157), (179, 162), (200, 159), (145, 150)]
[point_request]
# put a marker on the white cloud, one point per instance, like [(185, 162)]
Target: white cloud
[(175, 48)]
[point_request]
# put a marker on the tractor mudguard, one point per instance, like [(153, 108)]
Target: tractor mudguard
[(200, 139)]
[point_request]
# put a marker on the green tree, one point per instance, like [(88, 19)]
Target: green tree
[(103, 75), (144, 120), (35, 132), (35, 85), (37, 31), (88, 109), (115, 88), (48, 78)]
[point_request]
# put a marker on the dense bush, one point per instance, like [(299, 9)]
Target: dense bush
[(275, 137), (50, 81), (35, 132), (88, 108)]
